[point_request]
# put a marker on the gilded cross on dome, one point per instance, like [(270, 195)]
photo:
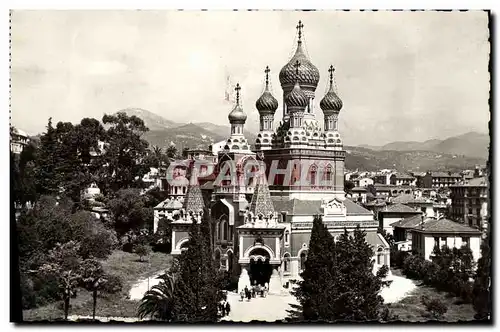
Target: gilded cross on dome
[(331, 70), (299, 27), (267, 75), (238, 88)]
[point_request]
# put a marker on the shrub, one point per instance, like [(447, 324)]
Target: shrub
[(434, 306), (142, 251)]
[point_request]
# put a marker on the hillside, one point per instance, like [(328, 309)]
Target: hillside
[(471, 144), (370, 160), (404, 156), (152, 120)]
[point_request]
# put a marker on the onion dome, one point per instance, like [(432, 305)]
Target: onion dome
[(331, 103), (308, 75), (296, 98), (237, 115), (266, 102)]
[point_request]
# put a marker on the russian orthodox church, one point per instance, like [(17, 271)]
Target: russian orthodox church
[(262, 229)]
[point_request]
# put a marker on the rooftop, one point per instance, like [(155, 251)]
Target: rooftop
[(399, 208), (445, 226), (409, 222), (299, 207), (445, 175), (476, 182)]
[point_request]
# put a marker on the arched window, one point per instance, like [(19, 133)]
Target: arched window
[(287, 237), (286, 262), (223, 230), (312, 175), (379, 256), (303, 258)]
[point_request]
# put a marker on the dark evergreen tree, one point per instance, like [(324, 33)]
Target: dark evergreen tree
[(357, 288), (317, 289), (45, 170), (482, 283), (196, 293)]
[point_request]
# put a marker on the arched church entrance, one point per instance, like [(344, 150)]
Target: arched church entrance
[(260, 270)]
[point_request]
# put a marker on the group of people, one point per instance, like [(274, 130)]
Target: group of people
[(253, 292), (224, 308)]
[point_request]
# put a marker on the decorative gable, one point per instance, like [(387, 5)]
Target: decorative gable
[(334, 207)]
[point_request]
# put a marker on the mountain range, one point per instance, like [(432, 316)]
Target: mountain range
[(472, 144), (454, 153)]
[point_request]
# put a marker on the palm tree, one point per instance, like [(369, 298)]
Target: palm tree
[(158, 302)]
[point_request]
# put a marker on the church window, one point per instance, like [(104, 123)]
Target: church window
[(286, 262), (303, 258), (223, 230)]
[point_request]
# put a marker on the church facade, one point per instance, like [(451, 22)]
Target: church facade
[(263, 222)]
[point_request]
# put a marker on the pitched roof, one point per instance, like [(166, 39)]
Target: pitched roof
[(302, 207), (355, 209), (402, 176), (445, 175), (399, 208), (445, 226), (409, 222), (261, 199), (408, 198), (476, 182)]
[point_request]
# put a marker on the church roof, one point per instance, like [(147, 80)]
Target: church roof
[(261, 200), (300, 207)]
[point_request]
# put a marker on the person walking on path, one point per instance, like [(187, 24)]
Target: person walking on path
[(228, 308)]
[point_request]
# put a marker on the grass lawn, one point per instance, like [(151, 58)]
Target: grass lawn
[(411, 308), (128, 267)]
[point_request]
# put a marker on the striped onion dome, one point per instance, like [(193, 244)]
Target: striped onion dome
[(331, 103), (296, 97)]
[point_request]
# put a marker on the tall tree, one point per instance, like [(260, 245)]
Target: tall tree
[(45, 171), (196, 294), (317, 277), (482, 282), (129, 211), (125, 152), (358, 288)]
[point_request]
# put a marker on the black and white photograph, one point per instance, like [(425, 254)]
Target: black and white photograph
[(242, 166)]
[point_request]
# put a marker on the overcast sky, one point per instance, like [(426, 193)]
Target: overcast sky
[(401, 75)]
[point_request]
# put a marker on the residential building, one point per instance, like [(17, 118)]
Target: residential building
[(470, 202), (419, 177), (363, 182), (18, 140), (402, 231), (422, 204), (395, 212), (440, 179), (437, 233), (401, 179)]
